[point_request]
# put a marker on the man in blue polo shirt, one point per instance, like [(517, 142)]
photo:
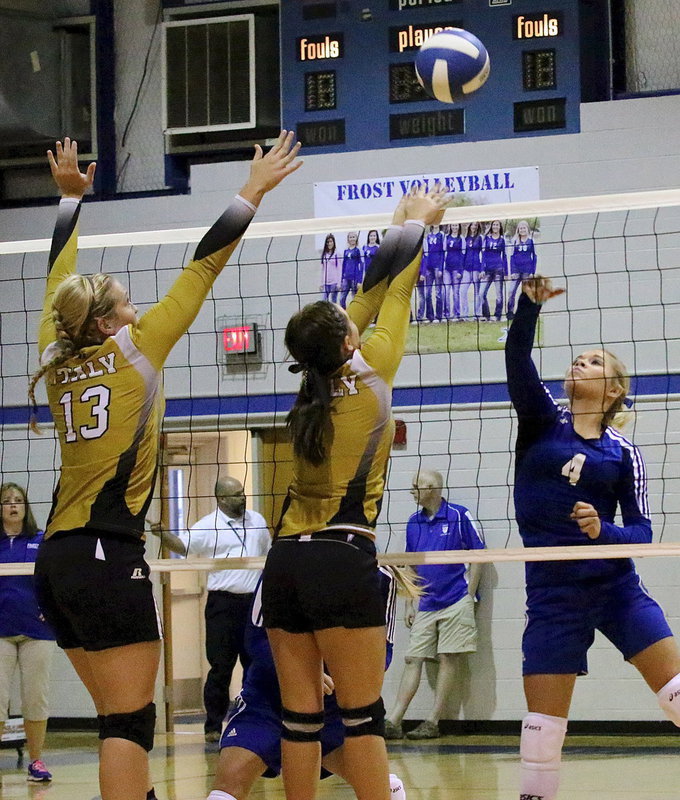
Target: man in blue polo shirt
[(444, 626)]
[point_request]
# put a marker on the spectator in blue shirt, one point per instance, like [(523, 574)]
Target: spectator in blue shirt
[(25, 638), (444, 625)]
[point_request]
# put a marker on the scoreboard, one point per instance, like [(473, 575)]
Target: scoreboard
[(348, 77)]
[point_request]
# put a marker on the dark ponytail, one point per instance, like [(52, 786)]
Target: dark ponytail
[(314, 337)]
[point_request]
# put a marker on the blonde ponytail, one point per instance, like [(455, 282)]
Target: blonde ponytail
[(77, 304)]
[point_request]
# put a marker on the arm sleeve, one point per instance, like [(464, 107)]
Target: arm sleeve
[(62, 263), (470, 534), (367, 301), (528, 394), (637, 528), (193, 541), (410, 536), (385, 348), (159, 329)]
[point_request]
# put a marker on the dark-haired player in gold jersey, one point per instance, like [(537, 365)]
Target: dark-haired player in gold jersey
[(103, 371), (321, 598)]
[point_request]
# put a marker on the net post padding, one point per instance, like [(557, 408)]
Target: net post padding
[(492, 555), (558, 207)]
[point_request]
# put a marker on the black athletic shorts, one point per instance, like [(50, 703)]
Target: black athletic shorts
[(328, 580), (93, 588)]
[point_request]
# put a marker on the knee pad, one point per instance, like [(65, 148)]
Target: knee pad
[(135, 726), (669, 700), (298, 726), (541, 743), (397, 791), (100, 724), (366, 721)]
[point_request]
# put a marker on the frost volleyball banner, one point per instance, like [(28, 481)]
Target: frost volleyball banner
[(470, 274)]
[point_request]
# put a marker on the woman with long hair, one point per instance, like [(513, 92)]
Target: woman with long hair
[(103, 366), (26, 640), (331, 270), (454, 256), (321, 598), (522, 262), (573, 470), (472, 264), (494, 269)]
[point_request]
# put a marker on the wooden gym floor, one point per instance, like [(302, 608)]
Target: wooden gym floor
[(450, 768)]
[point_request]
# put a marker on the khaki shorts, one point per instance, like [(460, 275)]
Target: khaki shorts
[(450, 630), (34, 658)]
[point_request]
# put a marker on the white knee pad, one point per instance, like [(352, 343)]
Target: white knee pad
[(397, 791), (669, 700), (541, 752), (217, 795), (542, 739)]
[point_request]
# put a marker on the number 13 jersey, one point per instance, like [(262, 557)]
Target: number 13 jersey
[(107, 401)]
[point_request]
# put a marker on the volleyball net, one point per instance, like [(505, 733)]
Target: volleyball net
[(228, 388)]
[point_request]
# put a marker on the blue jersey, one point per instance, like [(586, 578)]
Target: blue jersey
[(473, 253), (352, 268), (523, 258), (261, 684), (435, 250), (493, 255), (20, 614), (368, 250), (555, 467), (451, 528), (454, 253)]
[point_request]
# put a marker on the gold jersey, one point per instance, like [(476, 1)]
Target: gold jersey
[(107, 401), (346, 490)]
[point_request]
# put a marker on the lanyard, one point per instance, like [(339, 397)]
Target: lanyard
[(242, 539)]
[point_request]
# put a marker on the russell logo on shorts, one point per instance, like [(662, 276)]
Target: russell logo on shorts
[(137, 574)]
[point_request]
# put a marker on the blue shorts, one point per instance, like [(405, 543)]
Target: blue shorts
[(561, 622), (254, 725)]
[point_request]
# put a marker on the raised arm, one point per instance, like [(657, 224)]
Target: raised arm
[(72, 185), (527, 392), (367, 301), (161, 327), (385, 348)]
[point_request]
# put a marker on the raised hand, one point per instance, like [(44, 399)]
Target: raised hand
[(428, 206), (399, 216), (268, 170), (65, 171), (539, 289)]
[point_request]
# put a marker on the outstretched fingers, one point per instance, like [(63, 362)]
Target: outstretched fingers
[(65, 171)]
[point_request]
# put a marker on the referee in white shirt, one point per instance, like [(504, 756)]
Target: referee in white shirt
[(230, 531)]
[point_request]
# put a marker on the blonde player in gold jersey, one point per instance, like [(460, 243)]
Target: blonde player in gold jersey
[(321, 597), (103, 366)]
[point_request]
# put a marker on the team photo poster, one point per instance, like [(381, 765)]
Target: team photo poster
[(471, 273)]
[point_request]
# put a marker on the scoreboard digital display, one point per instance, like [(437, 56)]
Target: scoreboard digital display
[(350, 83)]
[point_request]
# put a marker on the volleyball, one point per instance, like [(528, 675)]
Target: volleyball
[(452, 64)]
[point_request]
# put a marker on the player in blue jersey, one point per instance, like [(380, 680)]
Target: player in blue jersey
[(494, 268), (454, 257), (472, 264), (435, 262), (352, 268), (370, 248), (251, 741), (572, 471), (522, 262)]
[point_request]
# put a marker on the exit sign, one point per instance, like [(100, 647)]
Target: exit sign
[(237, 339)]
